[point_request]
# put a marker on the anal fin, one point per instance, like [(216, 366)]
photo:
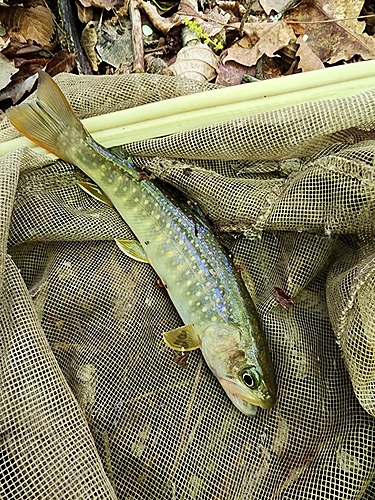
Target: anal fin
[(94, 191), (133, 249)]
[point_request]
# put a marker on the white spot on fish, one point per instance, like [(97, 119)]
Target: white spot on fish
[(204, 309), (136, 200), (188, 283), (157, 216), (213, 319), (167, 226), (197, 304), (134, 190), (198, 294)]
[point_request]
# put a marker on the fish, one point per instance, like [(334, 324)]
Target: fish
[(219, 316)]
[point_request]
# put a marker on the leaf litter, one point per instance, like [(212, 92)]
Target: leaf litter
[(234, 43)]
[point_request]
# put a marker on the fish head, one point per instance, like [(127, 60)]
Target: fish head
[(243, 369)]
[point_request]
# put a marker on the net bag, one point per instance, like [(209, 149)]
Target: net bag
[(95, 405)]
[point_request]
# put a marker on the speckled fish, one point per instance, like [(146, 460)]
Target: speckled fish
[(220, 317)]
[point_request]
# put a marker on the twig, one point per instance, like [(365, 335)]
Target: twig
[(246, 16), (323, 21), (137, 37)]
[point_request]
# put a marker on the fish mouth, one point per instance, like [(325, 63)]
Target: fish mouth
[(245, 401), (244, 406)]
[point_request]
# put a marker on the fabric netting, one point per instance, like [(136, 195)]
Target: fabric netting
[(93, 403)]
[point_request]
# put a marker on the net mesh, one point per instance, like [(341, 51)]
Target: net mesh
[(93, 404)]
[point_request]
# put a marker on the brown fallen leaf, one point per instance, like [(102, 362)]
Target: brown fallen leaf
[(276, 5), (85, 13), (16, 90), (337, 40), (163, 24), (308, 61), (196, 62), (29, 68), (33, 23), (14, 49), (114, 46), (85, 3), (7, 69), (211, 22), (282, 298), (231, 73), (89, 39), (103, 4), (181, 359), (261, 38), (62, 62)]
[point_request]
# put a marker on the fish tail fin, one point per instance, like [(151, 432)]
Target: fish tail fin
[(50, 121)]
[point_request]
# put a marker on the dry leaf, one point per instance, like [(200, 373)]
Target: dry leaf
[(85, 14), (188, 8), (114, 46), (230, 73), (89, 39), (16, 90), (62, 62), (276, 5), (196, 62), (16, 49), (337, 40), (211, 22), (308, 61), (7, 69), (103, 4), (261, 38), (85, 3), (34, 23), (282, 298), (163, 24), (342, 9)]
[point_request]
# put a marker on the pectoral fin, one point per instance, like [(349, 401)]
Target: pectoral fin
[(133, 249), (94, 191), (183, 338)]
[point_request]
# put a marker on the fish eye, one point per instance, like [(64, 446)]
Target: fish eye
[(251, 377)]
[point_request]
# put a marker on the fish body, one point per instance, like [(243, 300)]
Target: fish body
[(220, 317)]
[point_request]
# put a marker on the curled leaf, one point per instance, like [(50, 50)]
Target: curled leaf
[(89, 39), (196, 62)]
